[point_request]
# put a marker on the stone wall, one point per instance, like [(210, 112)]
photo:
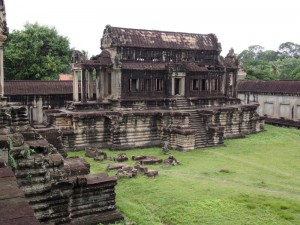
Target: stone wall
[(274, 106), (237, 121), (123, 130), (184, 129)]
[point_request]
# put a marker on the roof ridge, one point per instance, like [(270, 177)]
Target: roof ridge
[(161, 31)]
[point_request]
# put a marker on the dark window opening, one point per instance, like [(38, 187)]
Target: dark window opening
[(127, 54), (159, 85), (203, 85), (177, 86), (148, 85), (195, 85), (133, 85)]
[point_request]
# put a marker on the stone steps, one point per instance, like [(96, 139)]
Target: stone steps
[(182, 103), (201, 133)]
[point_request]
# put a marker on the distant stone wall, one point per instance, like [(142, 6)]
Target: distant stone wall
[(274, 106)]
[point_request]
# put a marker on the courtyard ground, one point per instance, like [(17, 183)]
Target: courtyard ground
[(254, 180)]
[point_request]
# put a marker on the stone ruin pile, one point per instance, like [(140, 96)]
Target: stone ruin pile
[(62, 191), (59, 190)]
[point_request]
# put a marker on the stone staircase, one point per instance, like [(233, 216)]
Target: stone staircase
[(182, 103), (197, 123)]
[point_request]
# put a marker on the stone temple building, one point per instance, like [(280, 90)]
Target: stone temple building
[(153, 86)]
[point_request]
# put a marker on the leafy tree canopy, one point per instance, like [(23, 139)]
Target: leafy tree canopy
[(289, 49), (272, 65), (36, 53)]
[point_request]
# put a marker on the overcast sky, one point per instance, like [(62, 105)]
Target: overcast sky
[(237, 23)]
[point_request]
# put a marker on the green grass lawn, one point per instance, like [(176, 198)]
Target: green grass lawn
[(254, 180)]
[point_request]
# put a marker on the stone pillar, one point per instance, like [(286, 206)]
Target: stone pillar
[(169, 85), (234, 84), (103, 82), (75, 85), (226, 83), (182, 87), (98, 85), (1, 71), (172, 86), (90, 84), (83, 86), (39, 105), (116, 83), (209, 83), (222, 83)]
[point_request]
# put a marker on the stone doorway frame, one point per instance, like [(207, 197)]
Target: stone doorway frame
[(178, 83)]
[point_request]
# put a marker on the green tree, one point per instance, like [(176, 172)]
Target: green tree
[(269, 55), (289, 68), (253, 52), (258, 69), (272, 65), (296, 73), (36, 53), (289, 49)]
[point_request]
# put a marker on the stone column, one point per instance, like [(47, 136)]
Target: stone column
[(75, 85), (116, 83), (226, 83), (170, 85), (182, 86), (209, 83), (222, 83), (1, 71), (234, 84), (98, 85), (83, 86), (39, 105), (90, 84)]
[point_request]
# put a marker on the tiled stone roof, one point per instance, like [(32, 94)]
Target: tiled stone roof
[(28, 87), (270, 86), (127, 37)]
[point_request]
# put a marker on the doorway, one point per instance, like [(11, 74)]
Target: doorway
[(177, 86)]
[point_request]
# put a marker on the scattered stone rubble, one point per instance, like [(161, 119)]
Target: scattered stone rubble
[(122, 157), (124, 170), (171, 161), (115, 166), (127, 171), (98, 155), (150, 160)]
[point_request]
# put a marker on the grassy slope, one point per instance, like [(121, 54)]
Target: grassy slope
[(255, 180)]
